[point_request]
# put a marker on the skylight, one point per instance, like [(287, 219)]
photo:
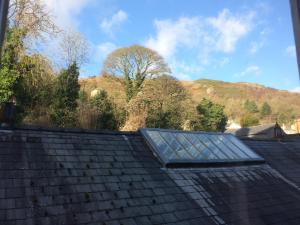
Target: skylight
[(180, 148)]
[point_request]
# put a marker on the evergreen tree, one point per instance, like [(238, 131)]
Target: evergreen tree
[(251, 106), (104, 112), (265, 109), (169, 119), (211, 117), (66, 95)]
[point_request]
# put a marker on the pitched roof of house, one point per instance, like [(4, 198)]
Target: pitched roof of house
[(66, 177), (263, 131)]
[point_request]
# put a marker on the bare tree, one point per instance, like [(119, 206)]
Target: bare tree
[(135, 63), (32, 17), (74, 47)]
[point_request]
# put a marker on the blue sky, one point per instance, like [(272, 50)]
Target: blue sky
[(230, 40)]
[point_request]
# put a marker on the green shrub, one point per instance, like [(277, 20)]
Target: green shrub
[(249, 120), (211, 117)]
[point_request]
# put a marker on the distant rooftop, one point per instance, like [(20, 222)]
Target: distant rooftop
[(265, 131)]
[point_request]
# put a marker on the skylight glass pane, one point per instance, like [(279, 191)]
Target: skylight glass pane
[(203, 150), (232, 147), (242, 146), (222, 147), (166, 151), (197, 147), (190, 149), (204, 138), (171, 141)]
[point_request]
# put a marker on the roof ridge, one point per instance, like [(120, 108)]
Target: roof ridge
[(67, 130)]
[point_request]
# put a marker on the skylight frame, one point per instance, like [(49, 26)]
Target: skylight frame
[(231, 158)]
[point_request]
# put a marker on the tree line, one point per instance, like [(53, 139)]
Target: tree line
[(45, 95)]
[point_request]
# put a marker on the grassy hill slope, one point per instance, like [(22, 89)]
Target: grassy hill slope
[(232, 95), (113, 85)]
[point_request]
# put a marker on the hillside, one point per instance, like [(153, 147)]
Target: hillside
[(232, 95), (113, 85)]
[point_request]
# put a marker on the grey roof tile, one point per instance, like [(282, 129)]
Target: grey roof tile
[(55, 177)]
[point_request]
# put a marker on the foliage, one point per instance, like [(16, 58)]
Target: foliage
[(286, 117), (27, 20), (129, 87), (65, 98), (26, 79), (136, 110), (84, 111), (9, 74), (82, 96), (234, 95), (250, 106), (151, 99), (120, 115), (169, 119), (211, 117), (135, 64), (165, 98), (265, 109), (249, 120), (159, 104), (8, 79), (104, 117), (35, 88)]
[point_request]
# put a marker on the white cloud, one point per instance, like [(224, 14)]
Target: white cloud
[(291, 51), (103, 49), (66, 11), (206, 35), (199, 38), (172, 34), (230, 28), (108, 24), (250, 70), (185, 70)]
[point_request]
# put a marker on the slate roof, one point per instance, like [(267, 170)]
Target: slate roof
[(55, 177), (282, 156)]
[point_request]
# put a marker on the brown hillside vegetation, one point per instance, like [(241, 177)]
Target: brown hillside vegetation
[(113, 85), (231, 95)]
